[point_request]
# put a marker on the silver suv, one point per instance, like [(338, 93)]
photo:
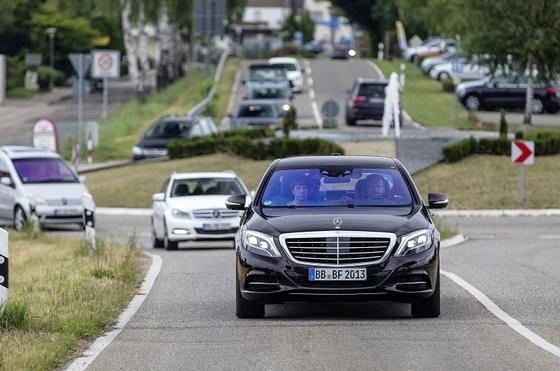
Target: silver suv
[(39, 179)]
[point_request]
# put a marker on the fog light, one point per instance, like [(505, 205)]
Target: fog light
[(180, 231)]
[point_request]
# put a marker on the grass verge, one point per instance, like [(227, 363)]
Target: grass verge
[(19, 92), (424, 99), (127, 122), (130, 187), (218, 106), (61, 294), (490, 182)]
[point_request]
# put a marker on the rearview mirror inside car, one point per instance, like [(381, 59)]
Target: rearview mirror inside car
[(236, 202), (158, 197), (7, 181), (437, 201)]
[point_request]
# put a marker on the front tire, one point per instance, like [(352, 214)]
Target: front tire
[(156, 242), (472, 102), (169, 245), (443, 76), (19, 218), (538, 105), (430, 307), (245, 308)]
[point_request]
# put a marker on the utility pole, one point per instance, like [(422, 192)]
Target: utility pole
[(51, 31)]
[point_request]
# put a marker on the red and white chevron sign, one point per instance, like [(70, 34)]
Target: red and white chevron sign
[(522, 152)]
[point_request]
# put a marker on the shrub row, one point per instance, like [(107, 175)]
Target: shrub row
[(246, 145), (545, 144)]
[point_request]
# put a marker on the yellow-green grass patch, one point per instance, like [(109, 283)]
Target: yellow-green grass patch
[(218, 106), (60, 294)]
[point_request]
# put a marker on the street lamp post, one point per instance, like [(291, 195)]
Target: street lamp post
[(51, 31)]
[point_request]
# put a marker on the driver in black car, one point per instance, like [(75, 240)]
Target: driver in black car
[(376, 187)]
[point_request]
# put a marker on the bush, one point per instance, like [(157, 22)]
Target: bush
[(448, 85), (254, 144), (45, 74)]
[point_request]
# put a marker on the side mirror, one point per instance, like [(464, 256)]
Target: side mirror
[(7, 181), (158, 197), (236, 202), (437, 201)]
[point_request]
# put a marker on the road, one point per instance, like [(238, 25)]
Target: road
[(188, 320)]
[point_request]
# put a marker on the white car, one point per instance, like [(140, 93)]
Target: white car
[(191, 206), (294, 71), (38, 179), (458, 70)]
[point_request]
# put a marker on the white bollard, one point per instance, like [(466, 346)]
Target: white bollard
[(3, 268), (89, 149), (89, 222), (380, 47)]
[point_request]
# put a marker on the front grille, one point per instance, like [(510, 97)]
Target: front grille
[(338, 248), (64, 202), (215, 213), (215, 231)]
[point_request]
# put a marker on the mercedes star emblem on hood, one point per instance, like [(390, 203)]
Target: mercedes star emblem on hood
[(337, 221)]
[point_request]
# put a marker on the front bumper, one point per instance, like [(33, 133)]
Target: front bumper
[(180, 229), (60, 214), (366, 113), (277, 280)]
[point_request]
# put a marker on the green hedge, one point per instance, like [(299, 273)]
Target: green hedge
[(254, 144), (546, 143)]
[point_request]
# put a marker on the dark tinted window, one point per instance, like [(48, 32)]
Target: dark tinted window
[(269, 93), (206, 187), (169, 130), (372, 90), (288, 66), (44, 170), (257, 110), (320, 187)]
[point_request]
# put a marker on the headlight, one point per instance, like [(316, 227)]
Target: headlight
[(352, 52), (137, 151), (37, 201), (259, 243), (180, 213), (286, 107), (415, 242)]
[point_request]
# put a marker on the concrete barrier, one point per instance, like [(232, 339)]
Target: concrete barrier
[(3, 267)]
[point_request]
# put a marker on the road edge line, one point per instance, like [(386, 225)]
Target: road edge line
[(453, 241), (502, 315), (100, 343)]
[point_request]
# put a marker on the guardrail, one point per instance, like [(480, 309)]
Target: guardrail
[(201, 106), (3, 268)]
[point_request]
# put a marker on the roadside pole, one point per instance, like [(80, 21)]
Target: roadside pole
[(4, 281), (522, 153), (81, 99), (2, 78), (105, 99), (521, 185)]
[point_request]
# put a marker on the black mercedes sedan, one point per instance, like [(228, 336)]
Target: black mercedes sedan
[(507, 92), (337, 228)]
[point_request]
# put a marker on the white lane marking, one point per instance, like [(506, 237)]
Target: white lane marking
[(310, 81), (317, 114), (549, 236), (483, 237), (455, 240), (104, 340), (497, 213), (122, 211), (312, 94), (376, 68), (499, 313), (306, 63)]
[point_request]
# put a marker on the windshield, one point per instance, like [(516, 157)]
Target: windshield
[(257, 110), (44, 170), (288, 66), (169, 130), (336, 186), (267, 73), (372, 90), (206, 187)]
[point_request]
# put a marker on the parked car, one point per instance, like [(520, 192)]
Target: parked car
[(507, 92), (32, 178), (459, 69), (331, 228), (340, 52), (282, 96), (154, 141), (433, 44), (366, 100), (190, 207), (293, 71), (264, 74), (252, 113), (428, 63)]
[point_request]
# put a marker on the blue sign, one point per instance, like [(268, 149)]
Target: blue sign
[(457, 66), (334, 21), (298, 38)]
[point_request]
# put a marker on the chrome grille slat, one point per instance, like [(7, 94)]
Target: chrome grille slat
[(209, 213), (338, 248)]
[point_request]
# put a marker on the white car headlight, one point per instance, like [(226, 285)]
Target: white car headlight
[(180, 213), (137, 151), (259, 243), (37, 201), (286, 107), (415, 242)]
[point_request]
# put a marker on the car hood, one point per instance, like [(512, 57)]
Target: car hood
[(56, 191), (153, 143), (197, 202), (398, 220)]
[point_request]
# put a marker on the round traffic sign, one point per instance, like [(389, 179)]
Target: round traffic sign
[(105, 62), (330, 109)]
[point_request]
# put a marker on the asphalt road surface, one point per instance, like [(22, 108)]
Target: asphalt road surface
[(188, 321)]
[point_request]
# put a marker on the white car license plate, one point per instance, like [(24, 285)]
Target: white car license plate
[(216, 226), (65, 212), (337, 274)]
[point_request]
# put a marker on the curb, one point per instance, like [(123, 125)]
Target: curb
[(104, 340), (453, 241)]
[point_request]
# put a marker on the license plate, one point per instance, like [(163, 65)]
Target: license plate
[(337, 274), (215, 226), (65, 212)]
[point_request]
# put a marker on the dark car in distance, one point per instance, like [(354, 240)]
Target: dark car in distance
[(154, 141), (337, 228), (366, 100), (507, 92)]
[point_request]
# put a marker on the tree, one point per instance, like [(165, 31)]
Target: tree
[(301, 22)]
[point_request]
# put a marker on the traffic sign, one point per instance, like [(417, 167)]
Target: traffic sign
[(75, 60), (44, 135), (330, 109), (457, 66), (522, 152), (106, 64)]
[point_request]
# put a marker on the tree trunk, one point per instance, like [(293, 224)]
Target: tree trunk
[(143, 47), (165, 62), (529, 96), (130, 48)]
